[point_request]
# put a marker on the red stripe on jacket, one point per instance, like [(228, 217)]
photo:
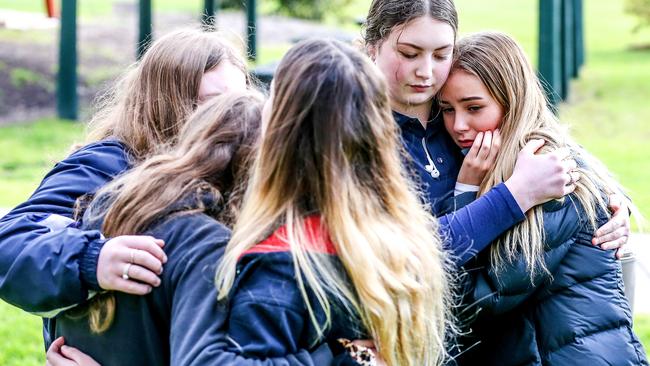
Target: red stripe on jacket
[(318, 239)]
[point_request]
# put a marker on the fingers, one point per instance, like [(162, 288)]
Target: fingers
[(79, 357), (613, 240), (532, 146), (486, 146), (148, 244), (143, 259), (54, 357), (138, 273), (131, 286), (476, 145), (611, 227), (496, 145)]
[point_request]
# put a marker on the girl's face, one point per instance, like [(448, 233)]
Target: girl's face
[(223, 78), (468, 108), (415, 59)]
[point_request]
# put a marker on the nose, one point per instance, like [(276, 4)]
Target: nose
[(424, 69), (460, 123)]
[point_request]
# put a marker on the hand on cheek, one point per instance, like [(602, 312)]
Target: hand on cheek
[(481, 158)]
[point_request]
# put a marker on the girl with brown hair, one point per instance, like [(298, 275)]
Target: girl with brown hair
[(542, 291), (332, 242), (143, 112), (186, 195)]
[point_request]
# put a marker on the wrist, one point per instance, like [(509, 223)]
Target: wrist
[(520, 193), (88, 263)]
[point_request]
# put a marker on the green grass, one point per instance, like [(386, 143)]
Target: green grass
[(28, 152), (22, 339)]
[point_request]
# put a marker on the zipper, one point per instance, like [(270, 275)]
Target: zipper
[(431, 167)]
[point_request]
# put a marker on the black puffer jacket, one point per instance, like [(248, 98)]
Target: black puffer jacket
[(578, 315)]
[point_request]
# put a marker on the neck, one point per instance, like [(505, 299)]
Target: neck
[(421, 111)]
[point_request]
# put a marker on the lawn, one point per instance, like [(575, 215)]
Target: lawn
[(607, 110)]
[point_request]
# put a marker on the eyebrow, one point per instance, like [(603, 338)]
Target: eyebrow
[(420, 48), (466, 99)]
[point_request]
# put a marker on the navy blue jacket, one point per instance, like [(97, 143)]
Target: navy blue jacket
[(39, 251), (268, 313), (470, 229), (180, 322), (577, 315)]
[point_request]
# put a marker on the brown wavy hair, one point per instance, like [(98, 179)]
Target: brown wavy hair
[(212, 156), (150, 103)]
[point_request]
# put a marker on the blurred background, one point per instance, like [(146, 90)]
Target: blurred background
[(607, 106)]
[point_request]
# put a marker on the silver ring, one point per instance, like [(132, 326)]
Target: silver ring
[(125, 272), (133, 256)]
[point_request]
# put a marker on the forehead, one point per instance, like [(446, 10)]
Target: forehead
[(460, 82), (423, 32)]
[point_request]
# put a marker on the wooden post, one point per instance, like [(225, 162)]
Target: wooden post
[(144, 34), (251, 30), (66, 90), (550, 67)]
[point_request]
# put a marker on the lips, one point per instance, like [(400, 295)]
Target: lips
[(421, 88), (465, 143)]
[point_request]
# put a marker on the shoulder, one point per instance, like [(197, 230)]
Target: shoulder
[(561, 220), (109, 156)]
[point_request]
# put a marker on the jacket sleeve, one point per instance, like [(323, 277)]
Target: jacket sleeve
[(470, 229), (46, 264), (198, 320), (496, 293)]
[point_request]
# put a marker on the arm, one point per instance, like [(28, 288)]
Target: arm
[(198, 322), (498, 292), (38, 252), (536, 178)]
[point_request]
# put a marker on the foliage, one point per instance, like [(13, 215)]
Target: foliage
[(639, 9)]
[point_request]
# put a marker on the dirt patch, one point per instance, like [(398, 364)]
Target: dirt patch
[(28, 58)]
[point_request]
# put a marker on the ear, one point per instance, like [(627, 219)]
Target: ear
[(372, 51)]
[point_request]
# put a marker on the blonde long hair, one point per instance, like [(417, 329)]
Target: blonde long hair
[(331, 146), (212, 157), (502, 66), (150, 103)]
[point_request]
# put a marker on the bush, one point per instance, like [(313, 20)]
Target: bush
[(639, 9), (306, 9)]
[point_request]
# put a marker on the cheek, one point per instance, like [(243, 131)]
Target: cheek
[(442, 71), (391, 67)]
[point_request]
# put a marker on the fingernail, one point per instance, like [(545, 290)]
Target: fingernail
[(161, 270), (64, 348), (165, 259)]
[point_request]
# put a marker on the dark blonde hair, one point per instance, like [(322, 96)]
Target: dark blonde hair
[(151, 102), (502, 66), (331, 146), (385, 15), (212, 157)]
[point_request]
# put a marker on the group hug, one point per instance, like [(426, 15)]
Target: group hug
[(409, 200)]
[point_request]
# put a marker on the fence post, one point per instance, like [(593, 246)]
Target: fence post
[(578, 13), (251, 29), (550, 67), (210, 8), (568, 47), (66, 93), (144, 34)]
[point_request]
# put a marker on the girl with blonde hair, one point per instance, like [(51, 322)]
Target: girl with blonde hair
[(412, 43), (144, 111), (186, 195), (332, 242), (542, 291)]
